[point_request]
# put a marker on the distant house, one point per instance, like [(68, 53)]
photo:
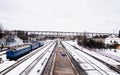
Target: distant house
[(112, 40)]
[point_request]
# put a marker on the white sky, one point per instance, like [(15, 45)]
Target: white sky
[(61, 15)]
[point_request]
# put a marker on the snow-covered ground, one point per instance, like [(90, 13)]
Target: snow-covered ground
[(4, 56), (105, 52), (6, 63), (42, 63), (17, 70), (22, 66), (79, 55), (2, 52), (76, 54), (110, 53)]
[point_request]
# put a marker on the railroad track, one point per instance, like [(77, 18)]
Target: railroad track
[(62, 64), (85, 61), (39, 68), (3, 50), (117, 69), (48, 68), (18, 62), (78, 70), (31, 66), (3, 53), (75, 63), (95, 66)]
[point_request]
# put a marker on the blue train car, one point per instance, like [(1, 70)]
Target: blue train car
[(15, 54), (41, 44), (35, 45)]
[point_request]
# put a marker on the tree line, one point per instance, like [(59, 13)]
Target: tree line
[(91, 43)]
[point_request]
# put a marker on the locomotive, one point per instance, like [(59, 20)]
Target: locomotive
[(15, 54)]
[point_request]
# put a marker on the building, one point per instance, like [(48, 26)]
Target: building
[(112, 40)]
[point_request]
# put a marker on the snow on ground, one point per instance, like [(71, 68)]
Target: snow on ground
[(110, 54), (89, 68), (104, 52), (17, 70), (7, 63), (41, 64), (2, 52)]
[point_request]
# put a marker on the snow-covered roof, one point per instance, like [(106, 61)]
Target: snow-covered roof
[(112, 36)]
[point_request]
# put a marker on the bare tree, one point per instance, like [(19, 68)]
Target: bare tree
[(1, 30), (23, 35)]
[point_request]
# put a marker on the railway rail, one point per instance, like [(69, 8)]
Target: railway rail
[(2, 53), (63, 55), (21, 60), (75, 63), (91, 64), (62, 63), (113, 67), (48, 68), (27, 70)]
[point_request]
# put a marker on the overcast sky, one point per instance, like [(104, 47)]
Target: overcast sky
[(61, 15)]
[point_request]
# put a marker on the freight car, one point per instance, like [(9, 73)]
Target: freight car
[(15, 54)]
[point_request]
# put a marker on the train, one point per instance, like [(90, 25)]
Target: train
[(16, 54)]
